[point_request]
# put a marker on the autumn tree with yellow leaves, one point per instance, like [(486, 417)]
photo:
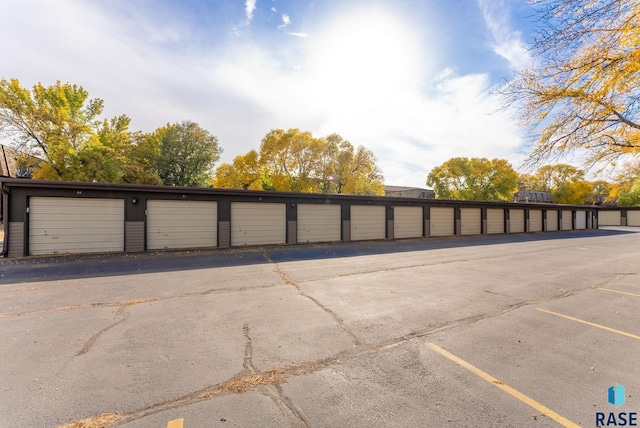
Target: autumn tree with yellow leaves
[(582, 93), (625, 191), (566, 183), (295, 161), (59, 130), (477, 179)]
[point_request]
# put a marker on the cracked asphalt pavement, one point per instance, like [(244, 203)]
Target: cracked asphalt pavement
[(369, 334)]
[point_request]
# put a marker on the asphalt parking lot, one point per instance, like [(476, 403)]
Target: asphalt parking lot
[(495, 331)]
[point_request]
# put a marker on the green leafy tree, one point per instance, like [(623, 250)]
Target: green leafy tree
[(582, 91), (55, 123), (626, 189), (186, 154), (630, 198), (477, 179)]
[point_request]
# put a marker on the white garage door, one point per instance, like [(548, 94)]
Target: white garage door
[(609, 218), (516, 220), (552, 220), (495, 220), (367, 222), (181, 224), (441, 221), (256, 223), (470, 221), (407, 222), (75, 225), (633, 218), (567, 220), (535, 220), (581, 219), (318, 223)]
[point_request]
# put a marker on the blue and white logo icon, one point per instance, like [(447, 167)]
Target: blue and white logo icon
[(616, 395)]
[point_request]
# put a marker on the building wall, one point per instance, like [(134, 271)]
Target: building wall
[(225, 218)]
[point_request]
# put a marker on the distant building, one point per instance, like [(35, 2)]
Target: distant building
[(408, 192), (533, 196), (10, 165)]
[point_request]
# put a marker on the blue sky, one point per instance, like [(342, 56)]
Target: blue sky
[(409, 79)]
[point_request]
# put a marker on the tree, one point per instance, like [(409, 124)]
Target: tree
[(583, 91), (244, 173), (143, 155), (600, 192), (186, 155), (290, 159), (566, 183), (626, 189), (357, 171), (54, 123), (477, 179), (295, 161), (631, 197)]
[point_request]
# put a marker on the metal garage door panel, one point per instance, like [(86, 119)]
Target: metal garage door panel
[(75, 225), (567, 220), (367, 222), (470, 221), (516, 220), (407, 222), (318, 223), (535, 220), (609, 218), (441, 221), (256, 223), (552, 220), (633, 218), (581, 219), (181, 224), (495, 220)]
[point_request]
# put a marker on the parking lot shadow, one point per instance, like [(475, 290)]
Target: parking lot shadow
[(60, 267)]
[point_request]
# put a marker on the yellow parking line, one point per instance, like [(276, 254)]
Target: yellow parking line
[(618, 291), (506, 388), (176, 423), (603, 327)]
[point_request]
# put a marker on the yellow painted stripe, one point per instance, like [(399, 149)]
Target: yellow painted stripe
[(618, 291), (176, 423), (506, 388), (603, 327)]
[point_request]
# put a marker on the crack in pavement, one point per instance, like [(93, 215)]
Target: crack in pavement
[(270, 380), (134, 302), (274, 391), (250, 378), (339, 321), (87, 346)]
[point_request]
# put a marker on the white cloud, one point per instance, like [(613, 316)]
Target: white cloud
[(368, 84), (507, 42), (364, 75), (285, 21), (249, 8)]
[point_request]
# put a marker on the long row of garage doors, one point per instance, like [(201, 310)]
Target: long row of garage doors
[(614, 218), (78, 225)]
